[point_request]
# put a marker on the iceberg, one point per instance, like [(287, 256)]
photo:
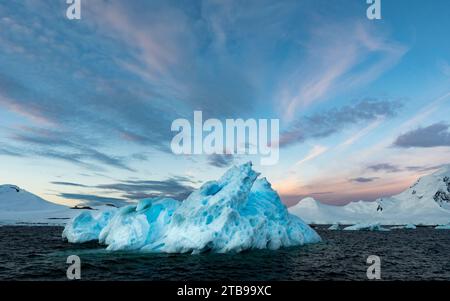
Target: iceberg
[(87, 225), (443, 227), (236, 213), (410, 226), (334, 226), (407, 226), (367, 227)]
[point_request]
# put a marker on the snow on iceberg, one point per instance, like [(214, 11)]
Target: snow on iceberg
[(236, 213), (367, 227)]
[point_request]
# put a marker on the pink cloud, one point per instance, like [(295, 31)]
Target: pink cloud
[(31, 112), (334, 52)]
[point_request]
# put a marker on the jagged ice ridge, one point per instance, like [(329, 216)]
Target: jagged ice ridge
[(236, 213)]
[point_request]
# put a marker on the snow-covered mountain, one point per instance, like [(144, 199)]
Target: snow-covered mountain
[(427, 202), (18, 206), (315, 212)]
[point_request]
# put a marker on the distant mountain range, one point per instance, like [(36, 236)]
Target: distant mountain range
[(426, 202)]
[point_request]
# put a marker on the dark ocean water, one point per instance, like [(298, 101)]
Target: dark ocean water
[(39, 253)]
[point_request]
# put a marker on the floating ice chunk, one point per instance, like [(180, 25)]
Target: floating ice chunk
[(367, 227), (236, 213), (334, 227), (407, 226), (443, 227), (410, 226)]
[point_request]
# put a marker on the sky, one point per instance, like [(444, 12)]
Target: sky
[(86, 105)]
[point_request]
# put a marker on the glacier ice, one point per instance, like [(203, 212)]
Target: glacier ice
[(236, 213), (366, 226)]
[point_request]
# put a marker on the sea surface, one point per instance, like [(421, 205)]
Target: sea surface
[(39, 253)]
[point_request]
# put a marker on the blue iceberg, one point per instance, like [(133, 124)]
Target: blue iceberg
[(236, 213), (366, 227), (87, 225), (443, 227), (405, 227), (334, 227)]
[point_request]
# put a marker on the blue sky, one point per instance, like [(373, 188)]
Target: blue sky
[(86, 106)]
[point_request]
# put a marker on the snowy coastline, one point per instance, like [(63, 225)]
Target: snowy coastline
[(426, 203)]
